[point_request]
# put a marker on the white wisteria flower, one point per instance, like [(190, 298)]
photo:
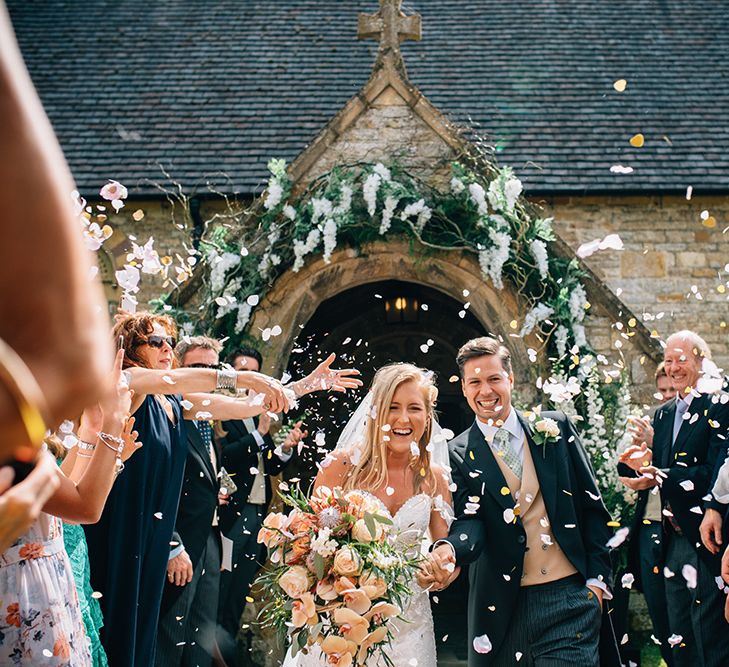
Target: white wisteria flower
[(219, 266), (274, 193), (387, 212), (420, 210), (369, 192), (303, 248), (577, 303), (560, 339), (536, 315), (492, 260), (579, 333), (538, 248), (345, 200), (383, 172), (289, 212), (330, 239), (478, 196), (457, 186), (504, 191), (321, 207), (244, 316)]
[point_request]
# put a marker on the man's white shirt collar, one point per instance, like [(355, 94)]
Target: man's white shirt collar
[(512, 425)]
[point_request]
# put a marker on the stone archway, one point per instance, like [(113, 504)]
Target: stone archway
[(294, 297)]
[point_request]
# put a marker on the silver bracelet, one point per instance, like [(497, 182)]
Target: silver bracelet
[(116, 444), (88, 446), (227, 379)]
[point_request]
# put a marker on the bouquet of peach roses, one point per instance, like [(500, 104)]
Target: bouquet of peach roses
[(335, 580)]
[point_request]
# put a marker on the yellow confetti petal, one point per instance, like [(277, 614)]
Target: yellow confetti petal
[(710, 222), (632, 322), (637, 140), (620, 85), (138, 214), (505, 491), (513, 324), (473, 458), (721, 289), (613, 524)]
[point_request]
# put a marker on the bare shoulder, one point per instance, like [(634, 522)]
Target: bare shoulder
[(441, 481)]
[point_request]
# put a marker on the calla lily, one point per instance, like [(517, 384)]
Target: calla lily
[(352, 626), (303, 611), (356, 600), (382, 611), (375, 637)]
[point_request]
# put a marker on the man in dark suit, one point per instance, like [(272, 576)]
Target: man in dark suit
[(689, 442), (530, 521), (186, 631), (645, 549)]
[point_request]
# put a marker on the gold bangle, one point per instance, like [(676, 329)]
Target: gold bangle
[(24, 389)]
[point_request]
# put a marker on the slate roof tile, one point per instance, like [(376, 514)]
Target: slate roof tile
[(222, 86)]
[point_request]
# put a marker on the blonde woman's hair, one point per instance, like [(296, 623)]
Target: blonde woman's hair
[(370, 473)]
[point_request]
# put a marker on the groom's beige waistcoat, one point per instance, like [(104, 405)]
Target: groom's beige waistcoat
[(544, 560)]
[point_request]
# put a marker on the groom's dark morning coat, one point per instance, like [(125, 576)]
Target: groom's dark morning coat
[(496, 548)]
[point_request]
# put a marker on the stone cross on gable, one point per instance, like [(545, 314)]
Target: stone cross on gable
[(390, 26)]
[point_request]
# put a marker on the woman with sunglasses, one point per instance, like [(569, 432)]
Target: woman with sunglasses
[(130, 545)]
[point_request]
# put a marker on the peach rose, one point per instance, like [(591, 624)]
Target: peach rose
[(326, 591), (347, 562), (352, 626), (361, 532), (359, 503), (322, 498), (548, 426), (31, 550), (374, 586), (295, 581), (303, 611)]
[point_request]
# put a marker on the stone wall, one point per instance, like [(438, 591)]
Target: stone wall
[(671, 271)]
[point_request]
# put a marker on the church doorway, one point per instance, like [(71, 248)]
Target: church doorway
[(378, 323)]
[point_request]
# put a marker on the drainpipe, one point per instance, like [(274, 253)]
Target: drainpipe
[(198, 225)]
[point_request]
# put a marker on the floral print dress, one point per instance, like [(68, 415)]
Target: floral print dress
[(40, 620)]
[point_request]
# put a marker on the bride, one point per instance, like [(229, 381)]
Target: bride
[(389, 450)]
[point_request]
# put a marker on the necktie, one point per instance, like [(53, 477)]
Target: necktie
[(206, 435), (681, 407), (503, 448)]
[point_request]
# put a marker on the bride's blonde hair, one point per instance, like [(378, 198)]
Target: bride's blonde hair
[(370, 472)]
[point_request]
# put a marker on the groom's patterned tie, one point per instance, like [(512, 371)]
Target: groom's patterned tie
[(503, 448)]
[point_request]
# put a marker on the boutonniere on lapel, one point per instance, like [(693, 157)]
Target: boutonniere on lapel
[(546, 431)]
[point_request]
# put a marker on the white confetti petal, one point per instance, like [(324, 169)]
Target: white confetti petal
[(482, 644)]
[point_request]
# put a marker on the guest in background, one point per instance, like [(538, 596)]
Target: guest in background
[(188, 616), (129, 548), (41, 617), (689, 441), (645, 551)]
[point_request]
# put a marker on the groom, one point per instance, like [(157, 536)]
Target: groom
[(530, 521)]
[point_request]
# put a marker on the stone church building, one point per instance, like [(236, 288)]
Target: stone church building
[(614, 115)]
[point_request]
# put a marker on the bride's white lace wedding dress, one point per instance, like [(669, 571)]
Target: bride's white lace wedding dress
[(413, 643)]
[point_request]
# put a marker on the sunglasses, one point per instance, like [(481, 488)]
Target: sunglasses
[(159, 341), (202, 365)]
